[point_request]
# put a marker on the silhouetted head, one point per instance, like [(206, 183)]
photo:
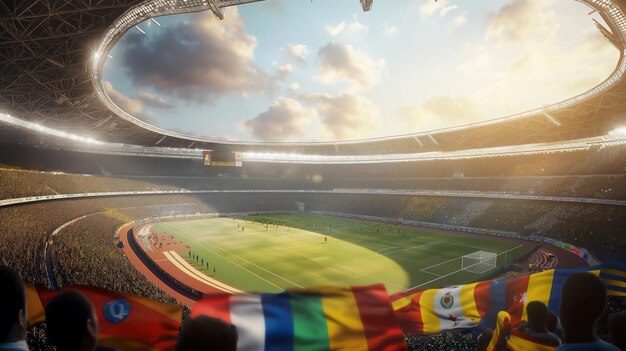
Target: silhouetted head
[(71, 322), (617, 326), (12, 306), (205, 333), (552, 322), (582, 301), (537, 313)]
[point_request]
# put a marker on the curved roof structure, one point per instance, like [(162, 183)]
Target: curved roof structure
[(52, 53)]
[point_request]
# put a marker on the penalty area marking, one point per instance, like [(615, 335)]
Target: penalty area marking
[(459, 270)]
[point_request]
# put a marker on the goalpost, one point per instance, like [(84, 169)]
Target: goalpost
[(479, 262)]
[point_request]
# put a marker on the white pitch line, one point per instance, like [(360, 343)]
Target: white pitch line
[(376, 254), (439, 264), (242, 267), (409, 248), (435, 274), (472, 247), (443, 276), (256, 265)]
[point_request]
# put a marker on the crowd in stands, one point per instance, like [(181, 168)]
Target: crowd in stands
[(598, 228), (85, 253), (72, 324)]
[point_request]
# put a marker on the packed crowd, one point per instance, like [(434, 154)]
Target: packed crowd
[(72, 324), (20, 183), (598, 228)]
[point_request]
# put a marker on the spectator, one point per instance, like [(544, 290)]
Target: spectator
[(617, 330), (582, 301), (12, 311), (71, 322), (535, 327), (206, 333), (553, 324)]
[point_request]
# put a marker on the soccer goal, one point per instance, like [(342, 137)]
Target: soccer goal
[(479, 262)]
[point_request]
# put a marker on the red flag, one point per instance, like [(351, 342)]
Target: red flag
[(128, 322)]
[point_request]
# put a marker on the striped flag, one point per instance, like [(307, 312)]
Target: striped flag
[(505, 336), (357, 318), (434, 311), (500, 332), (614, 276), (125, 321)]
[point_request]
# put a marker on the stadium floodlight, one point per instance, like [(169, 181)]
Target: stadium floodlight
[(618, 131), (45, 130)]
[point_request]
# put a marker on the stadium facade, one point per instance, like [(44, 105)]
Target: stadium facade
[(52, 58)]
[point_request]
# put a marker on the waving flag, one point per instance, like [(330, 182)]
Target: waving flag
[(357, 318), (614, 276), (125, 321), (434, 311)]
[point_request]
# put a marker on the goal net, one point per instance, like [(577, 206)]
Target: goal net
[(479, 262)]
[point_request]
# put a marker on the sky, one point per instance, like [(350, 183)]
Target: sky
[(323, 70)]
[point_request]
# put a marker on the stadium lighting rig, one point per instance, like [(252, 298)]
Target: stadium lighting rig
[(618, 131), (616, 137), (45, 130)]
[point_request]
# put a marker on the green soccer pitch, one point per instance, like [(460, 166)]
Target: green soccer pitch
[(291, 251)]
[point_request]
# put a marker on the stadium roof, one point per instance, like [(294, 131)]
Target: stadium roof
[(51, 58)]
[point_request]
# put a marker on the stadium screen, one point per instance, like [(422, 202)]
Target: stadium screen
[(222, 158)]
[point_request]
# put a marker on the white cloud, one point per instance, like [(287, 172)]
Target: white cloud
[(298, 52), (336, 29), (344, 63), (285, 70), (523, 20), (199, 60), (285, 119), (459, 20), (294, 87), (438, 112), (153, 100), (344, 116), (356, 28), (390, 30), (431, 7), (447, 9), (352, 29), (133, 107), (524, 60)]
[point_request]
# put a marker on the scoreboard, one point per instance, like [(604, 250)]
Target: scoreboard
[(222, 158)]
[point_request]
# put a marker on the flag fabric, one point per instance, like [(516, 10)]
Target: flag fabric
[(125, 321), (614, 276), (505, 336), (518, 341), (356, 318), (434, 311), (500, 332)]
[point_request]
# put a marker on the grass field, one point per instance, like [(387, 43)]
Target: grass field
[(295, 254)]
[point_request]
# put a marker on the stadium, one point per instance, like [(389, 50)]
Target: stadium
[(117, 192)]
